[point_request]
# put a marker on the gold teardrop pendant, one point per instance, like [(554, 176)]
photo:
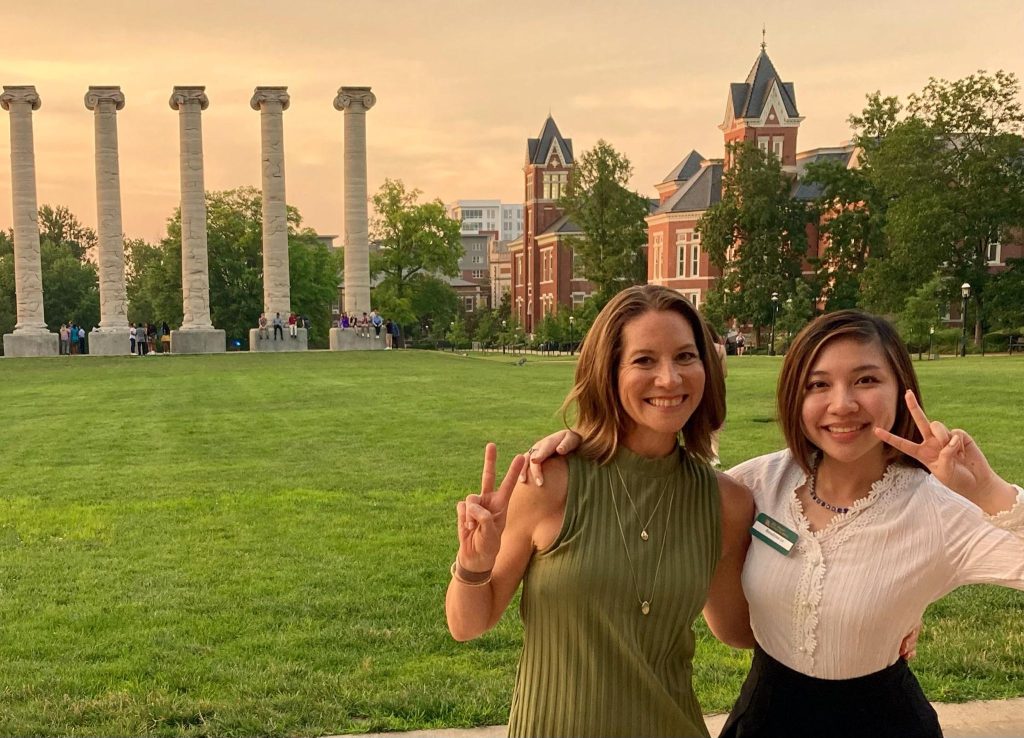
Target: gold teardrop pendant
[(645, 608), (643, 535)]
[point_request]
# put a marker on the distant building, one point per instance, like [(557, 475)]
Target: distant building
[(474, 260), (491, 216), (500, 268)]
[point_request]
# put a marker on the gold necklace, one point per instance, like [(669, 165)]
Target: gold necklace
[(645, 604), (643, 526)]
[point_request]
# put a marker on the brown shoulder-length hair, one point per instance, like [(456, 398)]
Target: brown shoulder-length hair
[(599, 416), (800, 360)]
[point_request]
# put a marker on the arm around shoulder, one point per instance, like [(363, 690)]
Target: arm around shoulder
[(726, 610)]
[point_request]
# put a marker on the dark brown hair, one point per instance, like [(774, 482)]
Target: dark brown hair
[(804, 352), (600, 418)]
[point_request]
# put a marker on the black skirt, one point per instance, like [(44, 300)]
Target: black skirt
[(778, 701)]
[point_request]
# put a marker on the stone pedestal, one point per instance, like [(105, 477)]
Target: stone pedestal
[(299, 343), (346, 339), (355, 102), (30, 344), (109, 342), (210, 341)]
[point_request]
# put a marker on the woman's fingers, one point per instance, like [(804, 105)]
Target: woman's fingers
[(500, 499), (487, 477), (899, 443), (940, 433), (917, 413)]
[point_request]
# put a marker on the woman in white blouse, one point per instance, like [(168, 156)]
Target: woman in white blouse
[(855, 538)]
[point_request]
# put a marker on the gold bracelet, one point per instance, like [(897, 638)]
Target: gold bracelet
[(470, 578)]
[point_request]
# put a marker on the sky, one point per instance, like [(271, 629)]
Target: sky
[(460, 84)]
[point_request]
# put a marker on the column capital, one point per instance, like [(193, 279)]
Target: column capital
[(101, 94), (262, 95), (184, 95), (356, 99), (20, 94)]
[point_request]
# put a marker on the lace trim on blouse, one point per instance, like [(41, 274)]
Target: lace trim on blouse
[(1012, 519), (814, 545)]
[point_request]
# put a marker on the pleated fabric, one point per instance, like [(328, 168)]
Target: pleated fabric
[(592, 663)]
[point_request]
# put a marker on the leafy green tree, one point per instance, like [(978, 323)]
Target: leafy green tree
[(756, 235), (70, 281), (1006, 297), (235, 252), (611, 217), (948, 165), (434, 303), (921, 312), (416, 239), (795, 312)]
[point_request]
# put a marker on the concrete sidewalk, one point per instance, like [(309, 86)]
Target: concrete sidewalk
[(990, 719)]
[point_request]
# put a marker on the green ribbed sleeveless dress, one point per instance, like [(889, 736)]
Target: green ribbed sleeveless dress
[(592, 663)]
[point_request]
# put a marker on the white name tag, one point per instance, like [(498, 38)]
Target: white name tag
[(774, 533)]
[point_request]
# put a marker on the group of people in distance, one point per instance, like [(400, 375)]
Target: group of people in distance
[(375, 322), (821, 557), (277, 322), (71, 338), (145, 338)]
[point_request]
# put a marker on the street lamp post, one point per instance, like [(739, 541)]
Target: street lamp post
[(931, 342), (451, 330), (504, 324), (965, 295), (572, 348), (775, 312)]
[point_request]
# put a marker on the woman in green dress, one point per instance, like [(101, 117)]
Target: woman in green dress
[(629, 539)]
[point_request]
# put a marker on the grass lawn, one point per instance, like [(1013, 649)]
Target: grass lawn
[(259, 544)]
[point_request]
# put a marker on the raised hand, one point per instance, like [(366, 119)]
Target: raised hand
[(951, 455), (482, 517), (560, 442)]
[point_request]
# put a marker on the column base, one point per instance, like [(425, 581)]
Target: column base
[(109, 343), (299, 343), (348, 339), (30, 344), (203, 341)]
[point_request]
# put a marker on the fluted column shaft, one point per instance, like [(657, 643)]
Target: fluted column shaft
[(28, 269), (105, 102), (195, 270), (355, 102), (272, 102)]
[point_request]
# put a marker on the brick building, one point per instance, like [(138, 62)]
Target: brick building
[(543, 279)]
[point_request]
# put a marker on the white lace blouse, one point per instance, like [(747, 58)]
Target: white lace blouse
[(840, 603)]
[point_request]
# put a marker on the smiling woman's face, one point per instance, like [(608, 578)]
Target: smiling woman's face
[(661, 380)]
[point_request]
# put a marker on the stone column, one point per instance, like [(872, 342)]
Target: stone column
[(355, 101), (111, 337), (197, 334), (271, 102), (30, 336)]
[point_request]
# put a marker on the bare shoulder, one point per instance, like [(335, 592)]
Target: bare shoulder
[(736, 500), (549, 497)]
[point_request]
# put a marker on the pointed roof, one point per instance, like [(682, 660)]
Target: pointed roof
[(685, 169), (699, 193), (537, 148), (748, 98), (563, 225)]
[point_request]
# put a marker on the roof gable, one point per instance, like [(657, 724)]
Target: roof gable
[(540, 149), (701, 192), (748, 99)]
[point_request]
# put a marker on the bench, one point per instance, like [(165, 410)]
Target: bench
[(1017, 344)]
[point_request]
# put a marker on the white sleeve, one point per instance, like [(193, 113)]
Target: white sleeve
[(979, 549), (1012, 519)]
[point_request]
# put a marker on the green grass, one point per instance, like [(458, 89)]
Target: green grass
[(259, 544)]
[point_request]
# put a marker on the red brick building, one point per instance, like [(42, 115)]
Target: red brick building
[(543, 279), (761, 109)]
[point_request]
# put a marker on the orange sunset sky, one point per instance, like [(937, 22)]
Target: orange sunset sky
[(460, 85)]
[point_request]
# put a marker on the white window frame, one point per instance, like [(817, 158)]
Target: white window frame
[(695, 255), (777, 142), (994, 256)]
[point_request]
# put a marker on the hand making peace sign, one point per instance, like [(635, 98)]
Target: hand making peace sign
[(951, 455), (482, 517)]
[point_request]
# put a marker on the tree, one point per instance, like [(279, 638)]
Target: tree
[(920, 313), (235, 252), (756, 235), (949, 165), (418, 244), (415, 239), (70, 281), (611, 218), (1006, 297)]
